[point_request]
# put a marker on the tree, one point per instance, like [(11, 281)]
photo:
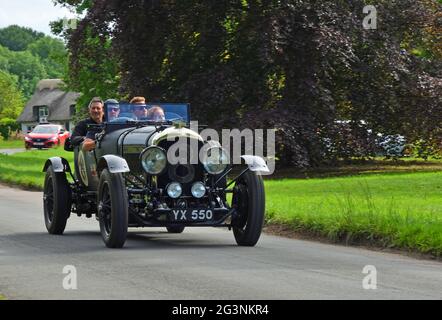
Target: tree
[(52, 54), (11, 99), (297, 66), (29, 71), (17, 38), (31, 56), (93, 66), (5, 57)]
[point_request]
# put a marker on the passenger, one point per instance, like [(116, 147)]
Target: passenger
[(139, 108), (156, 113), (113, 109), (80, 134)]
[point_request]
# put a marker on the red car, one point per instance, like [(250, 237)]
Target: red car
[(46, 136)]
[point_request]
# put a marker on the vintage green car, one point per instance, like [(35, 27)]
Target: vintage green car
[(129, 180)]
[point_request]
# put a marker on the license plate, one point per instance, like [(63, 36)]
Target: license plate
[(39, 144), (191, 215)]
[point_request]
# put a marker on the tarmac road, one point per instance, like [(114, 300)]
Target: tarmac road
[(11, 151), (198, 264)]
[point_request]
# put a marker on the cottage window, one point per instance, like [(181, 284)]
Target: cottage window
[(43, 113)]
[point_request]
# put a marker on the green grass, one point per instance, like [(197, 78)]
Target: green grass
[(396, 210), (11, 144), (360, 167), (2, 297), (25, 169)]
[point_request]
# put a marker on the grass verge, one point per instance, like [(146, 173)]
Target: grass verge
[(362, 167), (11, 144), (391, 210), (25, 169)]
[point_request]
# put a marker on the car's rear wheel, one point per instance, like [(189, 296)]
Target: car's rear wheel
[(57, 201), (175, 229), (113, 209), (249, 201)]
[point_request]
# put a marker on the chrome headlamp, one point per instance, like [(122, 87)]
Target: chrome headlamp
[(215, 160), (154, 160), (198, 190), (174, 190)]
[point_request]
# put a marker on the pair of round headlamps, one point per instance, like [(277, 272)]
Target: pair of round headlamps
[(175, 190), (154, 160)]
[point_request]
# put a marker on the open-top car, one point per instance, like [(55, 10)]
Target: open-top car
[(133, 179)]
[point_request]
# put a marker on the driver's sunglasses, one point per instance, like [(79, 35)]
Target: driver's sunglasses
[(114, 109)]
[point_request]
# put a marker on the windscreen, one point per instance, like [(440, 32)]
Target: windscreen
[(123, 112)]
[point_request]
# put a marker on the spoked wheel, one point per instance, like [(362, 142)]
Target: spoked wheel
[(249, 201), (57, 201), (112, 209), (175, 229)]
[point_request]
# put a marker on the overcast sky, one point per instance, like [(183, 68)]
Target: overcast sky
[(35, 14)]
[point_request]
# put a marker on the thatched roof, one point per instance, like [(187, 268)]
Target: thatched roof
[(49, 93)]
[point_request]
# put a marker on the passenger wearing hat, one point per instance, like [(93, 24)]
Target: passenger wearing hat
[(113, 109)]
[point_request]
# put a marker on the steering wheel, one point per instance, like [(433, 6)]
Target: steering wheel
[(121, 120), (173, 116)]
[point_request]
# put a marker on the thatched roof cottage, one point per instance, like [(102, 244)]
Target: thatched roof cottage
[(49, 104)]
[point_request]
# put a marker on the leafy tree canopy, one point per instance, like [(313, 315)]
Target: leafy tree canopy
[(11, 99), (52, 54), (26, 67), (17, 38), (39, 57)]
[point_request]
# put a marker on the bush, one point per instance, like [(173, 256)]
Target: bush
[(426, 149), (350, 139), (6, 126)]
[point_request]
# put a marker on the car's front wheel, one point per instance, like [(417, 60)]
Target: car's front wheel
[(57, 201), (249, 201), (113, 209)]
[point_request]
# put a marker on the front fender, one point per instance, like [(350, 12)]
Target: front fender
[(256, 164), (58, 165), (113, 163)]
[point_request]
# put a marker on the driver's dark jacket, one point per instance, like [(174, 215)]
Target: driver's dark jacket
[(81, 132)]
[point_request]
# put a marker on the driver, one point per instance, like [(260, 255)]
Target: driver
[(80, 134)]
